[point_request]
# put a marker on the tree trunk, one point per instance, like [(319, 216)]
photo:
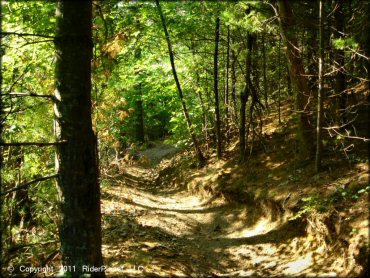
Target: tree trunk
[(340, 78), (288, 80), (279, 80), (20, 199), (1, 134), (320, 92), (198, 151), (227, 101), (140, 132), (139, 111), (233, 85), (200, 96), (264, 69), (244, 95), (243, 105), (77, 162), (297, 72), (309, 52), (367, 51), (215, 82), (204, 110), (211, 120)]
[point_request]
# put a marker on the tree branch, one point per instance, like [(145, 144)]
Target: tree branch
[(17, 247), (26, 35), (345, 136), (106, 30), (39, 144), (27, 184), (16, 94)]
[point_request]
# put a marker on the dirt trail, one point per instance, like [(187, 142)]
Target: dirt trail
[(159, 151), (152, 230)]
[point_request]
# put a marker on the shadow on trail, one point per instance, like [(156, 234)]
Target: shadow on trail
[(160, 252), (139, 232), (184, 211), (173, 234), (165, 254)]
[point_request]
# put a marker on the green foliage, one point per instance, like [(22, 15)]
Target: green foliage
[(321, 204), (131, 64), (345, 43), (28, 69)]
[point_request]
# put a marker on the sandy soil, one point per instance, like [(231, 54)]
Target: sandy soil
[(154, 230)]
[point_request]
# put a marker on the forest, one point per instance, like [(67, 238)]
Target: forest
[(184, 138)]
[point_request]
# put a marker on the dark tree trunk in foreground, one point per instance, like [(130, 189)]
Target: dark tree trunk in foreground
[(215, 80), (297, 72), (198, 151), (1, 136), (77, 162)]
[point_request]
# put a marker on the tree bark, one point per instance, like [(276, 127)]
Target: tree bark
[(242, 140), (77, 162), (233, 85), (340, 77), (211, 120), (139, 111), (215, 83), (264, 69), (297, 72), (1, 134), (288, 80), (279, 80), (244, 95), (367, 51), (198, 151), (204, 110), (320, 92), (227, 99), (140, 132)]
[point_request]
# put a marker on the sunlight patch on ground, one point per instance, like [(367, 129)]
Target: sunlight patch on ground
[(299, 265), (274, 165), (176, 233), (263, 226)]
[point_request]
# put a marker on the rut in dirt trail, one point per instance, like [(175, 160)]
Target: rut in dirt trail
[(170, 232)]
